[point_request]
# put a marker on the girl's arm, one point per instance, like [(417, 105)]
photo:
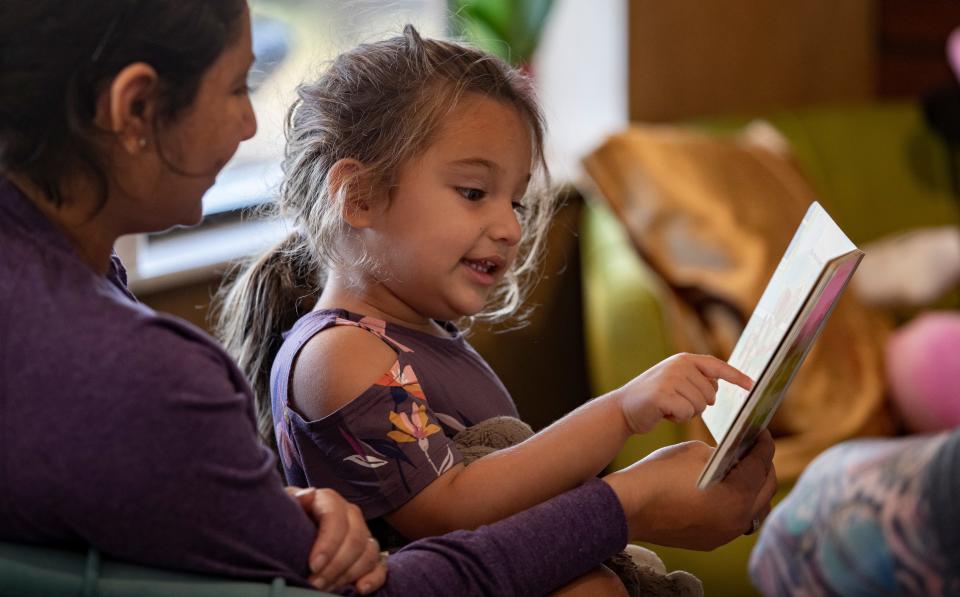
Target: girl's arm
[(564, 455), (507, 481)]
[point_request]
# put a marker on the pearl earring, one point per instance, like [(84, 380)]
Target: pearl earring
[(142, 142)]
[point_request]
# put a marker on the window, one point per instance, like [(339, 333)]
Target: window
[(582, 86), (292, 39)]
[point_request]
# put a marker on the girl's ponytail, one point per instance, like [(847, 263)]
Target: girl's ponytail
[(265, 299)]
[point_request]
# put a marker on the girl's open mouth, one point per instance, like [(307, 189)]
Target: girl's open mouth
[(484, 266), (485, 269)]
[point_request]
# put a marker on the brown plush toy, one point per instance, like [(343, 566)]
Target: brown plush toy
[(641, 570)]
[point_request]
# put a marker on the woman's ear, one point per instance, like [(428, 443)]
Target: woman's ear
[(128, 106), (350, 177)]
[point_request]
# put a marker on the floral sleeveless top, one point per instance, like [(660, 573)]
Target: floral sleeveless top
[(394, 439)]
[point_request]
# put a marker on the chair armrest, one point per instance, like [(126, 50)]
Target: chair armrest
[(34, 570)]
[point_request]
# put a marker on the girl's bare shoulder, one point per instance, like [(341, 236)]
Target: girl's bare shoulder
[(336, 366)]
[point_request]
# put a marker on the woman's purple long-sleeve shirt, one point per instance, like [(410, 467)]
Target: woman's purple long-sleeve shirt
[(133, 432)]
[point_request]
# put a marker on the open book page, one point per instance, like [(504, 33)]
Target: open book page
[(799, 297)]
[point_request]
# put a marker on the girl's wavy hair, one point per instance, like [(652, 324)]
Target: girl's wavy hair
[(381, 104)]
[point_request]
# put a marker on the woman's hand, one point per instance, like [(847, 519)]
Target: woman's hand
[(677, 389), (344, 553), (663, 505)]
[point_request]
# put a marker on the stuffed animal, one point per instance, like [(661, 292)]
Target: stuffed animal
[(641, 570)]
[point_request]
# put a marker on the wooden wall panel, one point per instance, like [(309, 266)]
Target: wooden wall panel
[(911, 42), (693, 58)]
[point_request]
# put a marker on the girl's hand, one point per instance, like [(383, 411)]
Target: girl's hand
[(344, 552), (677, 389)]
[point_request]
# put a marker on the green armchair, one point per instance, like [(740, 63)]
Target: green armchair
[(877, 168)]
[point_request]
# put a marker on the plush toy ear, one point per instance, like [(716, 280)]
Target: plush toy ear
[(349, 177)]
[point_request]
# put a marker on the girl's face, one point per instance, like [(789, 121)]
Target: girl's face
[(166, 190), (450, 230)]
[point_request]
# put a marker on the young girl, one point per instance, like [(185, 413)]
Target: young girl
[(409, 169)]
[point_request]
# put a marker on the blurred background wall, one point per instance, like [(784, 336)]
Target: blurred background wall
[(690, 59)]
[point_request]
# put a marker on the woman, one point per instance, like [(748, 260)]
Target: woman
[(132, 431)]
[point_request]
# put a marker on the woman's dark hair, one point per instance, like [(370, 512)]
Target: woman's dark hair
[(57, 56)]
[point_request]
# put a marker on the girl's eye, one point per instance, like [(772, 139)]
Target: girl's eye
[(471, 194), (520, 208)]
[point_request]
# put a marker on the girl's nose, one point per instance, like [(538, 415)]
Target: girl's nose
[(505, 226)]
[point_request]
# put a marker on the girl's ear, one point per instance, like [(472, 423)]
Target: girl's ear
[(128, 106), (349, 176)]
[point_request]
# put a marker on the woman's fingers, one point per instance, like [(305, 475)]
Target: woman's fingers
[(757, 520), (343, 552), (330, 511), (368, 563), (753, 472), (303, 496), (767, 490), (374, 580), (346, 543)]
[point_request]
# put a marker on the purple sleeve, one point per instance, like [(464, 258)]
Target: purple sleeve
[(166, 471), (205, 496), (171, 471), (530, 553)]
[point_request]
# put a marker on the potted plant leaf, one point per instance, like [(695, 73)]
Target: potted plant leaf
[(510, 29)]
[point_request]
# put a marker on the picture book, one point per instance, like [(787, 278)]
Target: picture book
[(794, 307)]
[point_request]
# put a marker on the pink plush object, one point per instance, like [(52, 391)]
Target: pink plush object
[(923, 370), (953, 51)]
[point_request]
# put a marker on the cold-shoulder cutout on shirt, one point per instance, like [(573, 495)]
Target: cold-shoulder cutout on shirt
[(359, 359), (391, 439)]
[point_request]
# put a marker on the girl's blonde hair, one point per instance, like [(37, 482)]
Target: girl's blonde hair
[(380, 104)]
